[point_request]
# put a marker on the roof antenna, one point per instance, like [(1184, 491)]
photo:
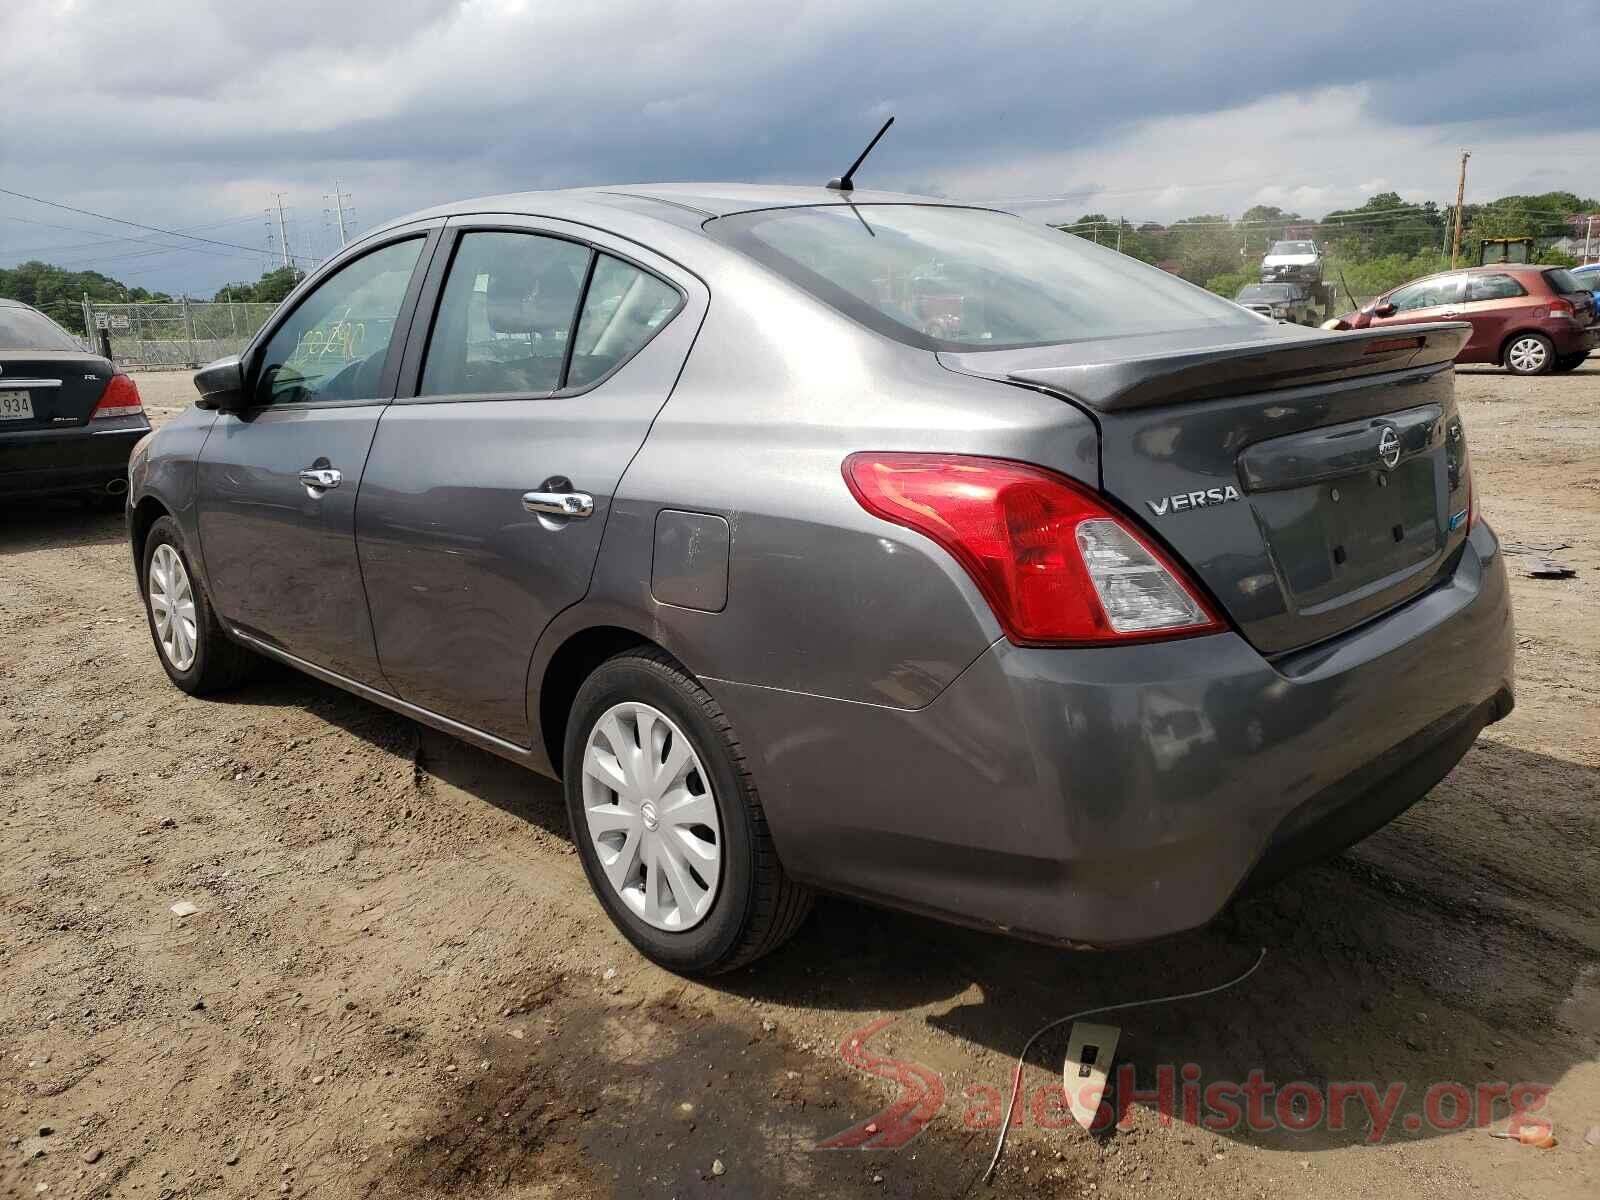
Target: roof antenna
[(845, 182)]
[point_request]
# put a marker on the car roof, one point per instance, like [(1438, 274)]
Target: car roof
[(684, 204)]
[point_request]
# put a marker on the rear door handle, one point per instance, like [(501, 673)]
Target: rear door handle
[(321, 478), (559, 504)]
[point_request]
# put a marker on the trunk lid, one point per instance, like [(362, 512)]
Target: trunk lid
[(1309, 480), (61, 387)]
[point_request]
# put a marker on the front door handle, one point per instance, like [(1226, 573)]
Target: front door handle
[(559, 504), (321, 478)]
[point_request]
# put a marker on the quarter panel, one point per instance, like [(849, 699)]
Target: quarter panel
[(822, 596)]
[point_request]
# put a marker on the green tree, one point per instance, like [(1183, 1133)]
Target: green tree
[(59, 293), (271, 288), (1385, 225)]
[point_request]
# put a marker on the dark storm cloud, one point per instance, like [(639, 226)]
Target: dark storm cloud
[(424, 93)]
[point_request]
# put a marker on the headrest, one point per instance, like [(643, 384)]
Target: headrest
[(521, 302)]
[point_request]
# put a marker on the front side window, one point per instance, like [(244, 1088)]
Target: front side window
[(506, 318), (1429, 293), (968, 279), (1493, 287), (334, 345)]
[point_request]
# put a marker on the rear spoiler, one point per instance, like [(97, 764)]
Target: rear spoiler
[(1182, 377)]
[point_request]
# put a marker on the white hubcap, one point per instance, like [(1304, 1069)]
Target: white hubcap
[(651, 817), (1527, 354), (172, 607)]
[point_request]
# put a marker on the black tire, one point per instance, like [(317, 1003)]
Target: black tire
[(1535, 352), (1570, 362), (219, 661), (756, 906)]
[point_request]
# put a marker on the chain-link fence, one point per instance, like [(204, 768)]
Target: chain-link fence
[(184, 333)]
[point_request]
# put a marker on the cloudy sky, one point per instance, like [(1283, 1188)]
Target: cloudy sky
[(193, 116)]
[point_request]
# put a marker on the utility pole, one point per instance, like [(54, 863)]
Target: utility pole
[(1119, 235), (1461, 195), (283, 232), (1588, 240), (338, 208)]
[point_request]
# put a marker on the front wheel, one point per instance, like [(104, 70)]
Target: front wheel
[(667, 821), (194, 651), (1529, 354)]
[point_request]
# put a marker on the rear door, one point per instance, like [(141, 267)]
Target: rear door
[(1493, 301), (539, 355), (277, 482)]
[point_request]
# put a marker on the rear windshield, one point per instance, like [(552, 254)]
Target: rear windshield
[(1293, 248), (1562, 280), (24, 329), (965, 279), (1267, 291)]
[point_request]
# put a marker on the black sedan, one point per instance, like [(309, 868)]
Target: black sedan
[(68, 419)]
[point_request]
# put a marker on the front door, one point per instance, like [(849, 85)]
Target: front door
[(276, 494), (487, 490)]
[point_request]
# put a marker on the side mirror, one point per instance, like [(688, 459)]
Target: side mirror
[(1384, 310), (221, 385)]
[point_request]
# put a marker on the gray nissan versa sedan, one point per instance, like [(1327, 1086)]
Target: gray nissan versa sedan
[(849, 542)]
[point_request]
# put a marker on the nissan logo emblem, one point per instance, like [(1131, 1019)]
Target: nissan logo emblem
[(1389, 448)]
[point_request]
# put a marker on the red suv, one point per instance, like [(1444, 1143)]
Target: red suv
[(1529, 319)]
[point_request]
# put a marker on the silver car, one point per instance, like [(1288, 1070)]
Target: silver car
[(847, 542)]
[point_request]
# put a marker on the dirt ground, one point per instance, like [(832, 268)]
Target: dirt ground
[(398, 984)]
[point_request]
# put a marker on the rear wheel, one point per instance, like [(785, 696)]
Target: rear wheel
[(194, 651), (1529, 354), (668, 823), (1570, 362)]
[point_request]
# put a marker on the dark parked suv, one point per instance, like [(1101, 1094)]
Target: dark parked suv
[(1529, 319)]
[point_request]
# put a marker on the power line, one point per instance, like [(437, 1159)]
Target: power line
[(107, 239), (136, 224)]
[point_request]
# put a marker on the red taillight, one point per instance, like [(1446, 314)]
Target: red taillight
[(120, 399), (1057, 565), (1563, 308)]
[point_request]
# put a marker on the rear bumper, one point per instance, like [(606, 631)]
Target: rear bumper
[(1574, 339), (1110, 796), (83, 459)]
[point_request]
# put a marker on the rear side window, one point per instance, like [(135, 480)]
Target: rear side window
[(1493, 287), (25, 329), (506, 317), (967, 279), (517, 320), (1562, 281), (621, 312)]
